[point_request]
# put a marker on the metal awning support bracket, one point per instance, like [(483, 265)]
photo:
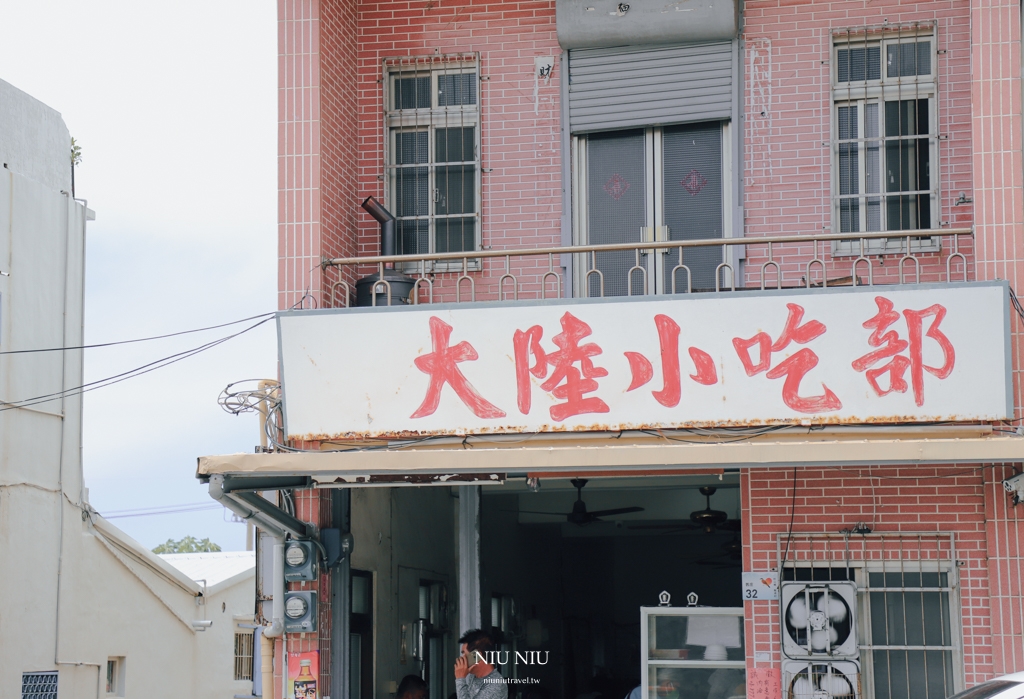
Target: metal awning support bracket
[(249, 505)]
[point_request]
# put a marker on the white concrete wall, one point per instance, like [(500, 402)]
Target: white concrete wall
[(74, 590), (39, 148)]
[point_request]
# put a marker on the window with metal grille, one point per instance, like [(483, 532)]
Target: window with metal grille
[(39, 685), (907, 609), (243, 654), (885, 136), (432, 152)]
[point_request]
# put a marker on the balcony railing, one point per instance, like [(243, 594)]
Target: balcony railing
[(772, 262)]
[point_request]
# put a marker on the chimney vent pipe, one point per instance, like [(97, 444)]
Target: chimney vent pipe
[(388, 242)]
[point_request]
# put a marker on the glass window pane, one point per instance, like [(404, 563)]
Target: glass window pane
[(456, 187), (455, 145), (692, 185), (858, 64), (411, 147), (913, 620), (456, 89), (411, 192), (879, 634), (413, 237), (616, 205), (872, 152), (908, 58), (455, 235), (412, 92), (874, 214), (849, 216), (696, 683)]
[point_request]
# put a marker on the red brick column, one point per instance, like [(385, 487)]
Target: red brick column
[(316, 144)]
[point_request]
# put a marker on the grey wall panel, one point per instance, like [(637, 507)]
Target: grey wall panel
[(594, 23), (625, 87)]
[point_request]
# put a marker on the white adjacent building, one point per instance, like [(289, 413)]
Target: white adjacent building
[(85, 611)]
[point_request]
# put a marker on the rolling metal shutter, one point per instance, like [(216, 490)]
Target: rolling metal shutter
[(615, 88)]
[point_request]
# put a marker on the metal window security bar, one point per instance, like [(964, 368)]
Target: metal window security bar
[(432, 152), (39, 685), (885, 144), (244, 644), (512, 284), (906, 616)]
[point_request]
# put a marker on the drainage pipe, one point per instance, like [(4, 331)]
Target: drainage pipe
[(267, 666)]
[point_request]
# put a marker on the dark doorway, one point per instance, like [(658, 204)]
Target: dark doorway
[(570, 593)]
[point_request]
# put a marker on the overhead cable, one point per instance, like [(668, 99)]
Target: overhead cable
[(166, 510), (130, 374), (139, 339)]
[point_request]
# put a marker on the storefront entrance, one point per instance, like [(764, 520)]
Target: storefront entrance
[(560, 584), (573, 589)]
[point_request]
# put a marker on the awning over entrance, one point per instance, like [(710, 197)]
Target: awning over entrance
[(478, 459)]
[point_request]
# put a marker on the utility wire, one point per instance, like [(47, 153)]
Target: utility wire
[(140, 339), (130, 374), (201, 507)]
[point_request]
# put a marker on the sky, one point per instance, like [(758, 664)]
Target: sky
[(174, 107)]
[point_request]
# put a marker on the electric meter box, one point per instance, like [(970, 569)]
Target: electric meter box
[(300, 560), (300, 611)]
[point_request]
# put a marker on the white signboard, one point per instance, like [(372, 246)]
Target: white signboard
[(762, 585), (882, 354)]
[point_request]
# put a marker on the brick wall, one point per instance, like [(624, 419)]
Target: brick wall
[(788, 128), (889, 500), (520, 138)]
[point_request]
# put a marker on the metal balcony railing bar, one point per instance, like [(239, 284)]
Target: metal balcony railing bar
[(509, 285)]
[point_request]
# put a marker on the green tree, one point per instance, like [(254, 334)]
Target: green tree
[(188, 544)]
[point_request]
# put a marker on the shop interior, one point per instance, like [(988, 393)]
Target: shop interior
[(566, 565), (564, 570)]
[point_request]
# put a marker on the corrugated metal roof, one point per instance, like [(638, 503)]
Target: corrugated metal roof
[(213, 567)]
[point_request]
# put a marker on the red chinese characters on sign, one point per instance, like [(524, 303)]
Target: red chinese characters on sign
[(569, 373), (642, 370), (890, 346), (793, 368), (441, 365), (566, 381)]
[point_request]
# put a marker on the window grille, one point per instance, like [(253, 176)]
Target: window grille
[(907, 607), (885, 136), (244, 644), (432, 153), (39, 685)]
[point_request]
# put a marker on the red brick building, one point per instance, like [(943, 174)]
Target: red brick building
[(843, 144)]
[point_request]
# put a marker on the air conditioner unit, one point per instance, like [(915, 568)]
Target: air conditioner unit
[(803, 679), (819, 620)]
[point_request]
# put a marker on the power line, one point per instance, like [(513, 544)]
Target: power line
[(166, 510), (130, 374), (140, 339)]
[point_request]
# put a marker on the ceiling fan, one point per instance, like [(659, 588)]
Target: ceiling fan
[(579, 514), (707, 519), (731, 556)]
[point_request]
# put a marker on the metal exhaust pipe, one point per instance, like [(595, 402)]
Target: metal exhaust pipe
[(388, 241)]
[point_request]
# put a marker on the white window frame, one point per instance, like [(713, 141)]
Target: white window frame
[(114, 678), (655, 188), (861, 93), (429, 120)]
